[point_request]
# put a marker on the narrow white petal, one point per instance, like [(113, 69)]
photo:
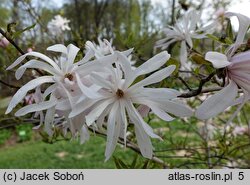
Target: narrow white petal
[(153, 64), (34, 54), (72, 52), (217, 102), (48, 121), (137, 120), (217, 59), (183, 53), (86, 90), (99, 80), (36, 107), (20, 94), (244, 23), (113, 130), (58, 48), (155, 77), (84, 134), (81, 107), (97, 111), (35, 64), (144, 143)]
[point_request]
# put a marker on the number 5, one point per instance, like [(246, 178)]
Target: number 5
[(241, 175)]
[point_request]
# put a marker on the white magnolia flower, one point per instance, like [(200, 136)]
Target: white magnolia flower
[(105, 48), (237, 74), (68, 83), (58, 25), (184, 31), (119, 96)]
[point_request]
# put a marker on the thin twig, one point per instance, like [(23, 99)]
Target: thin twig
[(199, 90), (9, 85)]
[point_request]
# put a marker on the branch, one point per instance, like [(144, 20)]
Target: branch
[(199, 90), (9, 85), (132, 146)]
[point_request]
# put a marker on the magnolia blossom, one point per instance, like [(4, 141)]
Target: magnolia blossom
[(95, 87), (105, 48), (236, 67), (68, 83), (58, 25), (184, 31), (119, 96)]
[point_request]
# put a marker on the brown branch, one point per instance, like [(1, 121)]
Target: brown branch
[(199, 89), (9, 85)]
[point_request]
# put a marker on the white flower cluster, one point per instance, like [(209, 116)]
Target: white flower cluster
[(99, 91), (58, 25)]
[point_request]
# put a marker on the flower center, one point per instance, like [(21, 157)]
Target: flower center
[(69, 76), (119, 93)]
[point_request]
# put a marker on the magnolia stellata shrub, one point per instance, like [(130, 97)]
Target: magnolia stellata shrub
[(101, 91)]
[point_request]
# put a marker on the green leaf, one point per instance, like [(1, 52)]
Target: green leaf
[(199, 59), (120, 164), (133, 164), (17, 33), (229, 31)]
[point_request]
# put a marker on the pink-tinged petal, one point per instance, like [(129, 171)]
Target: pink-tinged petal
[(97, 111), (217, 102), (58, 48), (154, 78), (113, 130), (144, 143), (20, 94), (241, 57), (36, 107), (244, 23), (153, 63), (217, 59)]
